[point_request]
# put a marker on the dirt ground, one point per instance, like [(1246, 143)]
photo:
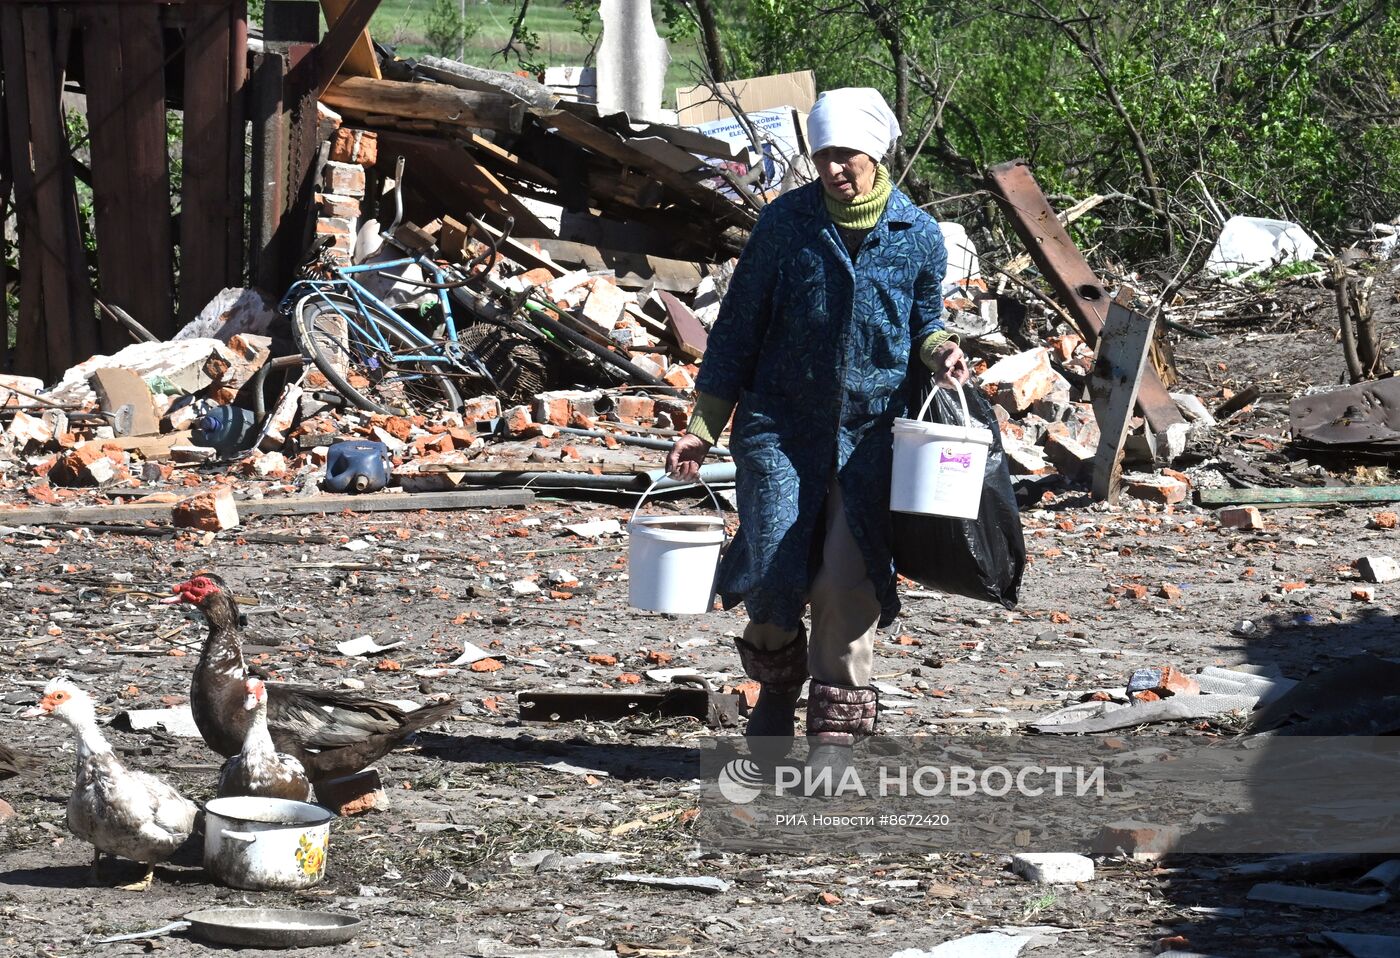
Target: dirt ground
[(446, 869)]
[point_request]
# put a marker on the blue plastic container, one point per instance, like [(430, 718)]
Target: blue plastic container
[(357, 466), (227, 429)]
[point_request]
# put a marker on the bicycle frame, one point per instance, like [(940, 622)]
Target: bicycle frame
[(367, 303)]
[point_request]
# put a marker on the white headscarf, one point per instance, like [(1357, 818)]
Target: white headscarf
[(853, 118)]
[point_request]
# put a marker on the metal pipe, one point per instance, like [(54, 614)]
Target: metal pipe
[(715, 474), (645, 442), (281, 362)]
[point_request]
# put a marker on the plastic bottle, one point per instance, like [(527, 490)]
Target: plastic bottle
[(356, 466), (228, 429)]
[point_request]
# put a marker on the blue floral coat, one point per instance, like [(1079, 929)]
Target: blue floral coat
[(815, 349)]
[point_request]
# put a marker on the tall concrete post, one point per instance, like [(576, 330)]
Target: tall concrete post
[(632, 60)]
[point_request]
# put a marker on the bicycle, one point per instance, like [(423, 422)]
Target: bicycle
[(377, 359), (371, 353)]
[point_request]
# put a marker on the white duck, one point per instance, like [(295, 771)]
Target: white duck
[(260, 769), (121, 812)]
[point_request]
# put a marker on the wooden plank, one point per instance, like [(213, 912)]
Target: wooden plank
[(30, 352), (514, 165), (587, 135), (349, 29), (425, 101), (451, 168), (130, 277), (314, 505), (361, 61), (1313, 495), (51, 167), (111, 192), (1124, 342), (205, 206), (6, 208), (237, 129)]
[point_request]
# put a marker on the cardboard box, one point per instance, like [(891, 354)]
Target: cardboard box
[(781, 146), (694, 105)]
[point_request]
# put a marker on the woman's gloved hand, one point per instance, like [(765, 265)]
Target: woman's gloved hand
[(684, 459)]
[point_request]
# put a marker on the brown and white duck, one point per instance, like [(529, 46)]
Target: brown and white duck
[(259, 769), (121, 811), (330, 732)]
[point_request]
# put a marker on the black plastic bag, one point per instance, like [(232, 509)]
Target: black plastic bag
[(982, 558)]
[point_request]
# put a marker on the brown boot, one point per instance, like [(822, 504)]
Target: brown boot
[(780, 674), (837, 715)]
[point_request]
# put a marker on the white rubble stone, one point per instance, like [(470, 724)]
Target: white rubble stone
[(1378, 568), (1053, 868)]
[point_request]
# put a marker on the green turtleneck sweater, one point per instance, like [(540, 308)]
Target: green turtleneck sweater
[(853, 220)]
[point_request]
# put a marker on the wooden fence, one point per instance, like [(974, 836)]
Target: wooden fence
[(107, 80)]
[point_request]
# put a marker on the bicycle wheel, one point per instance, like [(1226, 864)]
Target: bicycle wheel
[(348, 347)]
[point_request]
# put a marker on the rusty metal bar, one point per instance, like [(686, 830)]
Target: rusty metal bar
[(1069, 274)]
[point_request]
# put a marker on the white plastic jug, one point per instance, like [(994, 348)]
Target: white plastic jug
[(938, 469), (671, 560)]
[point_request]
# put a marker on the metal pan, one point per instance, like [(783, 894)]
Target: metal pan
[(272, 927)]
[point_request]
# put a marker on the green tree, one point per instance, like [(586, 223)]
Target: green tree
[(448, 29)]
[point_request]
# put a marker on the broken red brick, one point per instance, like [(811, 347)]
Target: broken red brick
[(1141, 840), (1169, 591), (487, 665), (1176, 682), (1240, 517), (1162, 489), (360, 147), (629, 678), (210, 511), (1384, 520), (602, 659), (635, 410)]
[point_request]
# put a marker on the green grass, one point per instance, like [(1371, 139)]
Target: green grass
[(402, 25)]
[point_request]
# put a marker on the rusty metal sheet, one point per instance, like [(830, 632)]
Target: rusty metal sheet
[(1074, 281), (1364, 418)]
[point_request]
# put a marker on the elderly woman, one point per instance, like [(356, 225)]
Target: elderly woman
[(840, 282)]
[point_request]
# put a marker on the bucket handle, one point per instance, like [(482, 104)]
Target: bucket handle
[(708, 491), (962, 401), (247, 838)]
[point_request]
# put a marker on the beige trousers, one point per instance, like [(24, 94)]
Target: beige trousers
[(845, 609)]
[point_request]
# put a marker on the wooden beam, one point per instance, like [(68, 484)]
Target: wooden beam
[(30, 352), (1124, 342), (361, 61), (206, 209), (65, 336), (347, 31), (131, 184), (425, 101), (1299, 496), (447, 168), (237, 124), (299, 506)]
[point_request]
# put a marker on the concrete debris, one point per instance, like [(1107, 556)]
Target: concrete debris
[(1053, 868)]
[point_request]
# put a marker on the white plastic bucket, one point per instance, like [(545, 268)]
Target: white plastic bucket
[(671, 560), (938, 469)]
